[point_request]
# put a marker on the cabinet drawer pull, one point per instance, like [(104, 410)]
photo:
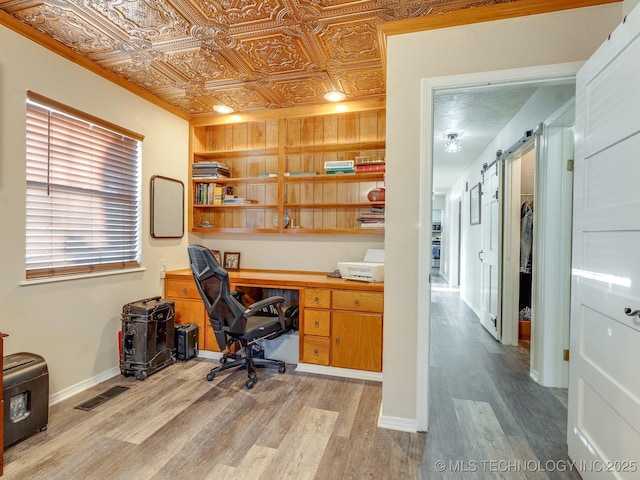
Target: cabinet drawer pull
[(317, 324), (185, 290), (316, 299), (316, 352), (357, 303), (338, 341)]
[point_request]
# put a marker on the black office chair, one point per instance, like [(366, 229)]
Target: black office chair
[(232, 323)]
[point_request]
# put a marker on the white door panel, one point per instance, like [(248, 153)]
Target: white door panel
[(491, 225), (604, 390)]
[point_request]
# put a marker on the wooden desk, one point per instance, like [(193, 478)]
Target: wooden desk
[(340, 320)]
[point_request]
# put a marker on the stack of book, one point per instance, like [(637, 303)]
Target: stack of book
[(339, 166), (210, 170), (374, 218), (369, 164), (208, 194)]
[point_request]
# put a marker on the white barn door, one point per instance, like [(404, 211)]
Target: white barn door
[(491, 221), (604, 391)]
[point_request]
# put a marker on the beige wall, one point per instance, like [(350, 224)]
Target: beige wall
[(73, 324), (522, 42)]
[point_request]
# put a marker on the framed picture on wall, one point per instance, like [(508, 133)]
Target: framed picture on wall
[(474, 202)]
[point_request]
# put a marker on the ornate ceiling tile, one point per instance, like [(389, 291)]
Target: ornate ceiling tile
[(242, 98), (204, 64), (152, 20), (363, 82), (277, 53), (240, 14), (301, 91), (67, 28), (351, 42)]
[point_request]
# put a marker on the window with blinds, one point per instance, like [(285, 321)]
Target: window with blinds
[(83, 192)]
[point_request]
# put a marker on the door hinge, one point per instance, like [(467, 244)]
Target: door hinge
[(565, 355), (496, 194), (570, 165)]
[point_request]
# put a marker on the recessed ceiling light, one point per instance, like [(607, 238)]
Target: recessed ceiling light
[(453, 143), (334, 96), (223, 108)]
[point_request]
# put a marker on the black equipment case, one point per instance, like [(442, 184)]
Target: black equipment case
[(147, 337), (186, 341), (26, 396)]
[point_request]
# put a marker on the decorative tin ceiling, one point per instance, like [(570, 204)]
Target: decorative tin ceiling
[(248, 54)]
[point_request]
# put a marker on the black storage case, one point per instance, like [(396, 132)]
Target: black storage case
[(186, 341), (25, 387), (147, 337)]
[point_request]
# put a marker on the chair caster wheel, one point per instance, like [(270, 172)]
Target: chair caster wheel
[(223, 360), (281, 369), (211, 376), (250, 384), (142, 375)]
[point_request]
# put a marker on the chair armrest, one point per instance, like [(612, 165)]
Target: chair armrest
[(256, 307)]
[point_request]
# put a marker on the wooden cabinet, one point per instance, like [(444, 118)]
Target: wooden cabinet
[(277, 165), (190, 309), (343, 328)]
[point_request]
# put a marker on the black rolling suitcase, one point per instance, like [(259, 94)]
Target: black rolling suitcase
[(147, 337), (186, 341)]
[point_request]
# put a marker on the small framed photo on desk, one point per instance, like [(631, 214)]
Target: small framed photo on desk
[(216, 255), (231, 260)]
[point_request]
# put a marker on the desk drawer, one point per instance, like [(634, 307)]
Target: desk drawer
[(358, 301), (317, 298), (317, 322), (315, 350), (181, 289)]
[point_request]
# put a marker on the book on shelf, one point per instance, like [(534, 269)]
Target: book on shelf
[(335, 171), (268, 175), (371, 224), (370, 168), (338, 164), (235, 201), (210, 170), (298, 174)]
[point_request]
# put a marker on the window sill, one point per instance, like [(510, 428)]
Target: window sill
[(64, 278)]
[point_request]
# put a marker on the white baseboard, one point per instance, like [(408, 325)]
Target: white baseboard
[(399, 424), (209, 354), (82, 386), (339, 372)]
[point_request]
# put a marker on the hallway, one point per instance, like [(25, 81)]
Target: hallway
[(488, 419)]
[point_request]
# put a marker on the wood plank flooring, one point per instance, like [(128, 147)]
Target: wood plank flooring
[(175, 425), (488, 419), (484, 410)]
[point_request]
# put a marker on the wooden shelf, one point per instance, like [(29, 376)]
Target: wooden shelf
[(236, 206), (334, 147), (318, 204), (336, 177), (231, 154)]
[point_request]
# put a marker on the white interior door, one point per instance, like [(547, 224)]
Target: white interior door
[(490, 253), (604, 379)]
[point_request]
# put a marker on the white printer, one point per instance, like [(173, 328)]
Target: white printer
[(370, 269)]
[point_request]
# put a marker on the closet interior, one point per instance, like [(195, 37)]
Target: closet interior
[(527, 168)]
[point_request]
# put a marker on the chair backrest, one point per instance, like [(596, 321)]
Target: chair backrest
[(225, 312)]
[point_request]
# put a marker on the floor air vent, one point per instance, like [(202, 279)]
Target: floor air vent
[(100, 399)]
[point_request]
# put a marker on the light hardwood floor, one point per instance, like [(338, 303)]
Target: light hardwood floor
[(488, 419), (176, 425), (484, 410)]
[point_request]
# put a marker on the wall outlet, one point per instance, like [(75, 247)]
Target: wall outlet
[(163, 267)]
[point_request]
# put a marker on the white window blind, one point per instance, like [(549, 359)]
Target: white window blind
[(83, 192)]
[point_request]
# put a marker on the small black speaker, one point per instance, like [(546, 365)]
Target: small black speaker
[(186, 336)]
